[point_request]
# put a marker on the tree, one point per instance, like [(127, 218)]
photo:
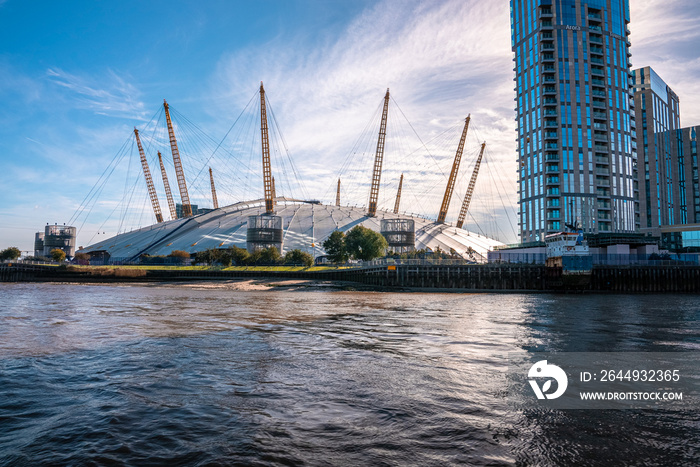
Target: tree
[(335, 247), (180, 256), (240, 256), (58, 255), (298, 257), (365, 244), (82, 258), (11, 253), (270, 256)]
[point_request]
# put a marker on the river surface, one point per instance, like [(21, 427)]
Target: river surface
[(164, 375)]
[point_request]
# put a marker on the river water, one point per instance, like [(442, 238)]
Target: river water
[(94, 375)]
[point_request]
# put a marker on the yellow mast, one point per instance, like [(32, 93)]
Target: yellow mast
[(149, 180), (267, 170), (377, 173), (470, 189), (179, 172), (168, 193), (453, 175), (398, 196), (337, 195), (213, 190)]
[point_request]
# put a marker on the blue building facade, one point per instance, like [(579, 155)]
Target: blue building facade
[(657, 118), (577, 157)]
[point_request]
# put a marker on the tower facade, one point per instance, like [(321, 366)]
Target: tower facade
[(575, 114), (657, 117)]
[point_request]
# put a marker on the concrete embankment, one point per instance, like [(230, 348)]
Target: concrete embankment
[(493, 277)]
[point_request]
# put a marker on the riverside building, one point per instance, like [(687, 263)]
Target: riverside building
[(576, 135), (669, 195)]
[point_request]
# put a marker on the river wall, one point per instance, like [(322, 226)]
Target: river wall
[(467, 277)]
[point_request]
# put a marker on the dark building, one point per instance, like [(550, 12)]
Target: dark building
[(178, 210), (576, 139), (669, 196), (657, 117)]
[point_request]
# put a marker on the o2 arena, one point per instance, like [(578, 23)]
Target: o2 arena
[(286, 222)]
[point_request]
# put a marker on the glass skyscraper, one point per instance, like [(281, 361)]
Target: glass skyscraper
[(660, 174), (576, 133)]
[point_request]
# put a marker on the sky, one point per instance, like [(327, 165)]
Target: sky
[(76, 77)]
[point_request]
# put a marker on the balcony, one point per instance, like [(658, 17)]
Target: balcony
[(549, 90), (551, 124), (553, 203), (604, 215), (600, 116), (602, 192), (603, 205), (550, 113), (602, 160), (601, 147), (554, 180), (546, 24), (600, 127), (595, 39), (552, 158), (548, 69), (545, 12), (602, 182), (547, 57), (597, 29), (548, 46), (552, 168), (551, 146), (597, 71), (597, 93), (596, 51), (551, 135), (547, 36), (598, 82), (549, 101), (598, 104), (548, 79), (554, 191), (553, 215), (600, 137), (595, 17), (597, 61)]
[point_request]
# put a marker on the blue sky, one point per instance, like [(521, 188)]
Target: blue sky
[(76, 77)]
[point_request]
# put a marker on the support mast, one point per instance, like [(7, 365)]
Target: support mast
[(377, 173), (149, 180), (453, 175), (398, 196), (182, 185), (168, 193), (470, 189), (274, 190), (337, 195), (213, 190), (267, 171)]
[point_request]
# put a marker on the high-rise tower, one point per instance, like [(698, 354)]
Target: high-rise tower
[(576, 139), (657, 115)]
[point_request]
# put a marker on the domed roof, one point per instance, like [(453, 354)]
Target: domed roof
[(306, 225)]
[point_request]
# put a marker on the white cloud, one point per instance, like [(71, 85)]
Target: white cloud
[(441, 61), (665, 35), (108, 94)]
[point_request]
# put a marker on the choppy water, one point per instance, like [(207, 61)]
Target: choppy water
[(164, 375)]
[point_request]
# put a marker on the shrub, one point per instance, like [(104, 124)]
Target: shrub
[(58, 255), (298, 257), (11, 253)]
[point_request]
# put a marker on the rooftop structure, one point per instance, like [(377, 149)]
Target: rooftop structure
[(305, 226)]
